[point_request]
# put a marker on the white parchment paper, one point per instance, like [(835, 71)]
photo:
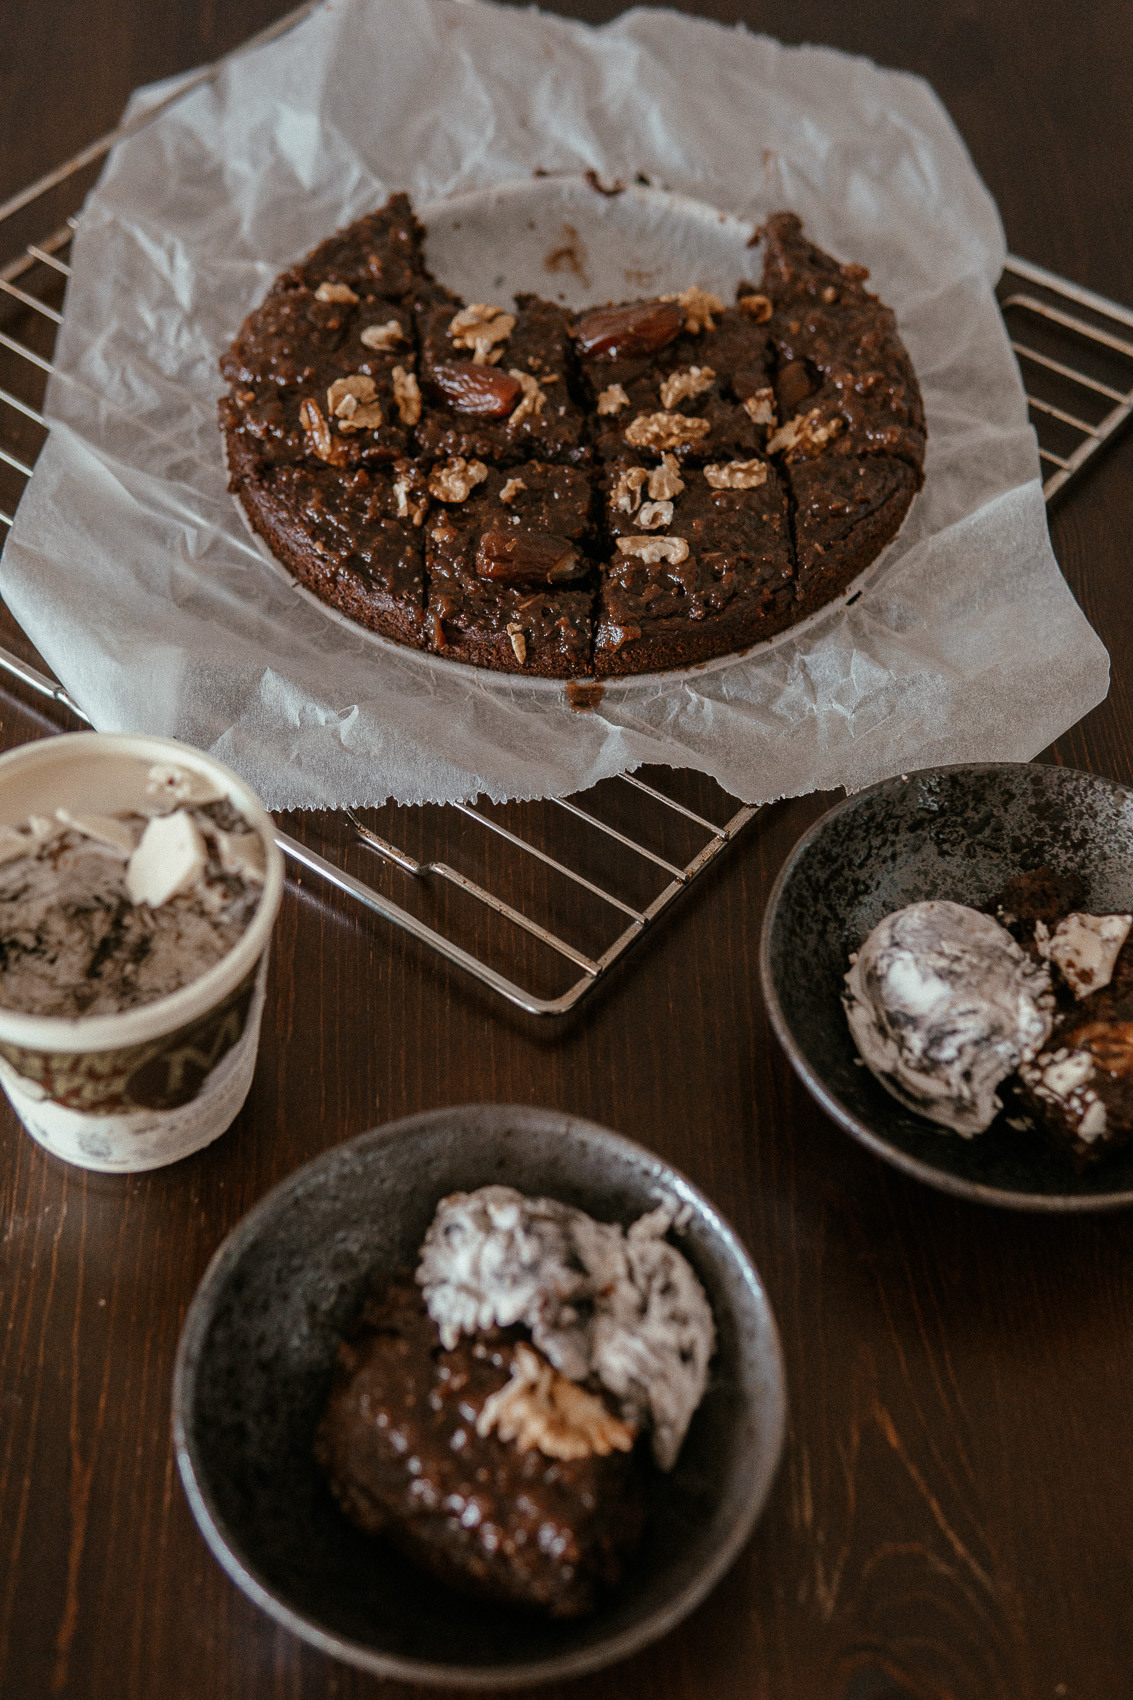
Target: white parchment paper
[(131, 571)]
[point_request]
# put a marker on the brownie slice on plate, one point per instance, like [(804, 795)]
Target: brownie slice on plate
[(401, 1446), (845, 511), (510, 582), (701, 564), (379, 254), (688, 377), (353, 538), (497, 384), (846, 392)]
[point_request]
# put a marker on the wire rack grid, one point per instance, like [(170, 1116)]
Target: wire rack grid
[(527, 895)]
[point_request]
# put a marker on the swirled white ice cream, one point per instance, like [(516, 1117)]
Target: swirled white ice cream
[(621, 1304), (943, 1005)]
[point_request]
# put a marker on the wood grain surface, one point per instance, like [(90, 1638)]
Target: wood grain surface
[(954, 1516)]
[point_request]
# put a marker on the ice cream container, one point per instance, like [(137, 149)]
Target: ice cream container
[(140, 1087)]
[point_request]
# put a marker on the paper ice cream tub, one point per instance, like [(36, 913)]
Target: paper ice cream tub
[(137, 1088)]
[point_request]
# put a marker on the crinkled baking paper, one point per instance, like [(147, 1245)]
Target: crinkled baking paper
[(132, 572)]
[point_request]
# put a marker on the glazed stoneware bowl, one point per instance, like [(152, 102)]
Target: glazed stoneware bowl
[(958, 833), (254, 1368)]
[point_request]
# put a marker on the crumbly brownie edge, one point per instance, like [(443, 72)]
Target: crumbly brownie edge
[(495, 651), (670, 644)]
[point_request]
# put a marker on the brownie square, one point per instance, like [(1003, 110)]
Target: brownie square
[(845, 512), (328, 381), (354, 539), (703, 570), (509, 579), (380, 254), (400, 1444), (715, 372), (478, 408), (843, 375)]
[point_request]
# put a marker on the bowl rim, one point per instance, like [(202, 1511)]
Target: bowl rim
[(557, 1666), (1047, 1203)]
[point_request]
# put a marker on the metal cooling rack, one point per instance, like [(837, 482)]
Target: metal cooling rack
[(522, 896)]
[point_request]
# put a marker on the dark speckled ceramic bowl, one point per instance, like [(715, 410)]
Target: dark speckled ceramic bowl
[(958, 833), (254, 1367)]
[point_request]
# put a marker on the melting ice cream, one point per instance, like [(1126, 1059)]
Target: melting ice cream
[(944, 1005), (619, 1304)]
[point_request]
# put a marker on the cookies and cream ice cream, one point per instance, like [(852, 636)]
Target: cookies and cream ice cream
[(103, 913), (943, 1005), (621, 1305)]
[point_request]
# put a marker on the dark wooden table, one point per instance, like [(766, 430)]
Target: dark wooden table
[(954, 1515)]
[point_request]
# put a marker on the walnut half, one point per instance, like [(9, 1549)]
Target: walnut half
[(654, 549), (479, 327), (665, 430), (540, 1409), (806, 433), (683, 385), (737, 475), (455, 480)]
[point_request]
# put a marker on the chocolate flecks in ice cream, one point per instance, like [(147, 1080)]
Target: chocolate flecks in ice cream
[(103, 913), (943, 1005)]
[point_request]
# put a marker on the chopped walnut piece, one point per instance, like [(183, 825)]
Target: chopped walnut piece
[(651, 516), (351, 401), (519, 645), (511, 489), (808, 432), (760, 407), (665, 481), (540, 1409), (699, 306), (757, 307), (612, 399), (737, 475), (407, 394), (692, 381), (357, 387), (665, 430), (627, 491), (384, 338), (316, 427), (409, 506), (532, 399), (453, 481), (341, 292), (479, 328), (654, 549)]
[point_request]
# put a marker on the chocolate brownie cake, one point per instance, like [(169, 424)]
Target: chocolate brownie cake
[(643, 486)]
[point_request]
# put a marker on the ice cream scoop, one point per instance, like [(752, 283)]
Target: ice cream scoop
[(943, 1005), (620, 1304)]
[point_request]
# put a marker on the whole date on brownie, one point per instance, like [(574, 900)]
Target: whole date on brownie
[(477, 389), (628, 332), (528, 557)]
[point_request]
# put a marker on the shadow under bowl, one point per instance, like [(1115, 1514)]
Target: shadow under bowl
[(956, 833), (254, 1369)]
